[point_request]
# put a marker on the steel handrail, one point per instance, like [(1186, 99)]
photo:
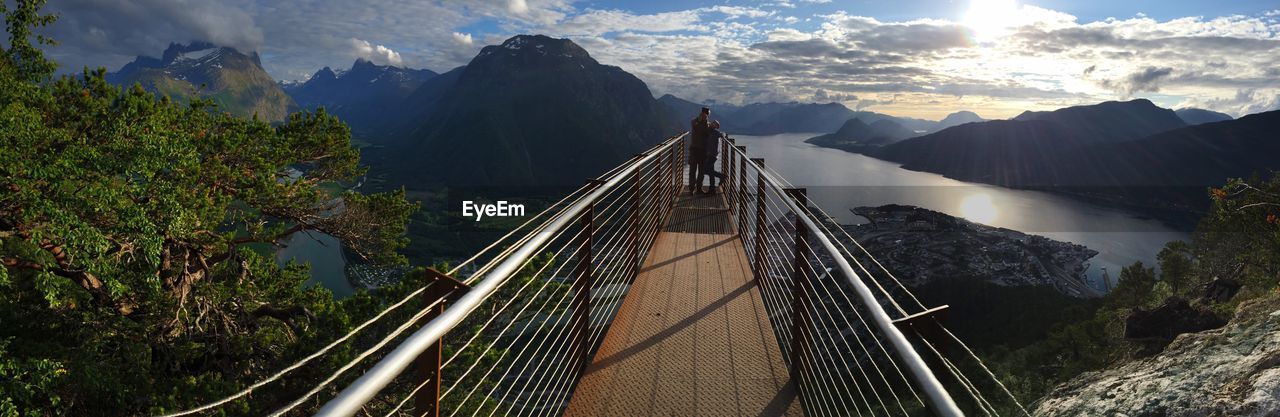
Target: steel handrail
[(939, 399), (352, 398)]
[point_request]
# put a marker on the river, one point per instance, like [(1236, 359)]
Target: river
[(324, 254), (839, 180)]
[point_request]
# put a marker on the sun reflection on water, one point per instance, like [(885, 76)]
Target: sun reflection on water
[(978, 208)]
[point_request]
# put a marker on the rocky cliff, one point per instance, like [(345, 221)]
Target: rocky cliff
[(1231, 371)]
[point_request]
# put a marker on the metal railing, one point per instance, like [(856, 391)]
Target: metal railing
[(515, 341), (846, 353), (515, 336), (851, 332)]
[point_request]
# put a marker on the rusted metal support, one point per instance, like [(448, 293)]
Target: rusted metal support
[(730, 177), (633, 221), (427, 367), (582, 282), (801, 281), (758, 258), (680, 173), (742, 192)]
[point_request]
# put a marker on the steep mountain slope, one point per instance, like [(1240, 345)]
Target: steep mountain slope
[(233, 80), (362, 95), (532, 111), (1111, 120), (1170, 166), (1001, 152), (1200, 116)]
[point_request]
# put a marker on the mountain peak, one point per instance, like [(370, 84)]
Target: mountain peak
[(324, 74), (362, 63), (959, 118), (535, 46), (1195, 116)]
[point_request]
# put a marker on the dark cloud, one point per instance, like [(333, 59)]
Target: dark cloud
[(111, 32), (1145, 80), (913, 38)]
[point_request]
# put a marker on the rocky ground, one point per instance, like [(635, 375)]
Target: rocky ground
[(1231, 371)]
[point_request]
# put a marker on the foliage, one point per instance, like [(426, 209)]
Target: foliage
[(130, 284), (1238, 240)]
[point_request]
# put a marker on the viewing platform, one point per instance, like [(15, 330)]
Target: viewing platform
[(692, 337)]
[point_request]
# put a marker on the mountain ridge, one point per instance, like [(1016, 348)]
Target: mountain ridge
[(234, 80), (362, 95), (533, 110)]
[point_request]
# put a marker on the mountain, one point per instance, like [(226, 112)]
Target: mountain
[(1027, 150), (1200, 116), (775, 118), (1110, 121), (682, 111), (233, 80), (1172, 166), (857, 136), (531, 111), (958, 118), (794, 117), (362, 95), (915, 125), (890, 130)]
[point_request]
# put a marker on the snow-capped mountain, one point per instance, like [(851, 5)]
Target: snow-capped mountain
[(233, 80)]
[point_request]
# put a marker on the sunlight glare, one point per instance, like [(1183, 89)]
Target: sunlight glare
[(989, 19), (978, 208)]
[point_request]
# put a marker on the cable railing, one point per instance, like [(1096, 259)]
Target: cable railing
[(515, 336), (856, 339)]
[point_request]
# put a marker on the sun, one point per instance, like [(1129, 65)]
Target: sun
[(990, 19)]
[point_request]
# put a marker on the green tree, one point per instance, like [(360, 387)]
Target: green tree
[(1134, 286), (133, 237)]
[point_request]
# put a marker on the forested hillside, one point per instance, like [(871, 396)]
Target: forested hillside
[(135, 233)]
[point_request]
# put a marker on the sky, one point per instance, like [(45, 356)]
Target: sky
[(917, 58)]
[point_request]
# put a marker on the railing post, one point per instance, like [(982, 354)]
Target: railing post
[(680, 174), (582, 281), (427, 366), (634, 221), (800, 291), (742, 190), (668, 170), (758, 258), (730, 176)]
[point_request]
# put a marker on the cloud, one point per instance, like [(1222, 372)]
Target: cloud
[(377, 54), (1145, 80), (766, 51), (1243, 102), (110, 32), (462, 38), (600, 22)]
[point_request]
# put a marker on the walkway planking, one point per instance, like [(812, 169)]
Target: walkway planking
[(692, 336)]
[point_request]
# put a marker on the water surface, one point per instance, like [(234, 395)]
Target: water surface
[(839, 180)]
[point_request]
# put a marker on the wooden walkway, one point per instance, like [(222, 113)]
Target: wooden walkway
[(692, 337)]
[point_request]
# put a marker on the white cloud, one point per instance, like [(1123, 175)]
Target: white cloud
[(735, 53), (377, 54), (462, 38), (600, 22)]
